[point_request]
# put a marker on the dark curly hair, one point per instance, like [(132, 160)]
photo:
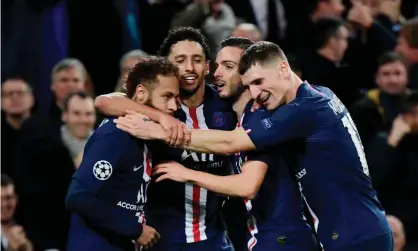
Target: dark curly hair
[(184, 34), (146, 71)]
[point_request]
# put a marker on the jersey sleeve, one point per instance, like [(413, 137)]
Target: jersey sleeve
[(262, 156), (83, 196), (287, 122)]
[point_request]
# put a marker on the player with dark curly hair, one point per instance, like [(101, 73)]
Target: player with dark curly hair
[(109, 190)]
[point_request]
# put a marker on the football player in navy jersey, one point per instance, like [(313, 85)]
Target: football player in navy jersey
[(276, 218), (187, 216), (109, 190), (332, 171)]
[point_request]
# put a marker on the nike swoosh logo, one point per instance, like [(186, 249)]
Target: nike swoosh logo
[(137, 168)]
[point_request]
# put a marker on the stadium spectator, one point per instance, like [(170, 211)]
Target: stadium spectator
[(13, 237), (325, 66), (247, 30), (376, 111), (393, 159), (408, 47), (126, 63), (16, 104), (46, 163), (268, 15), (214, 17)]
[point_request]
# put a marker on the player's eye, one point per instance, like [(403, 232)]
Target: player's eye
[(229, 67)]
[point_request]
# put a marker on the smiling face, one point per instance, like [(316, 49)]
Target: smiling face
[(269, 83), (190, 58)]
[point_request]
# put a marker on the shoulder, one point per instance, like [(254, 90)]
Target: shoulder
[(108, 130)]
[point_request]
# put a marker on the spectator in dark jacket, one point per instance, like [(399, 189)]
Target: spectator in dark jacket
[(393, 159), (380, 106)]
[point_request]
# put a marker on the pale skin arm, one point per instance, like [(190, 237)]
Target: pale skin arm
[(246, 184), (207, 141)]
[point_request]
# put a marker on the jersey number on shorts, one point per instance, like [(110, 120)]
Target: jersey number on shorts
[(351, 127)]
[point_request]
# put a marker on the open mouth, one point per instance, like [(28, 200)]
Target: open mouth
[(219, 85), (264, 99), (189, 79)]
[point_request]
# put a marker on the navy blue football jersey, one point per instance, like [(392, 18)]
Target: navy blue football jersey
[(332, 172), (187, 213), (108, 191), (277, 209)]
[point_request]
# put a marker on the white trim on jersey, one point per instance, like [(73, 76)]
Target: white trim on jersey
[(195, 196)]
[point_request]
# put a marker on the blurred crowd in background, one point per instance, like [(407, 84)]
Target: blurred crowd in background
[(58, 55)]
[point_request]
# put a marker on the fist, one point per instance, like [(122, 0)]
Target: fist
[(148, 237)]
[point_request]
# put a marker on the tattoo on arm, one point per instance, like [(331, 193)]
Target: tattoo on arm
[(147, 120)]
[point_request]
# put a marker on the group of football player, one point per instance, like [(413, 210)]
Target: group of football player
[(175, 152)]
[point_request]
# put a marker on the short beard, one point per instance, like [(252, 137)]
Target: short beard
[(184, 94)]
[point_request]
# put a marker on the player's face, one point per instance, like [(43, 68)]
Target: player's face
[(8, 202), (268, 84), (190, 58), (227, 78), (392, 78), (16, 97), (165, 95), (67, 81), (80, 116)]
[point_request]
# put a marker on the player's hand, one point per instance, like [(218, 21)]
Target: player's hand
[(148, 237), (177, 132), (399, 129), (173, 171), (140, 126)]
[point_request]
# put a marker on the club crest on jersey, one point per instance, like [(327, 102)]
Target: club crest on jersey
[(218, 119)]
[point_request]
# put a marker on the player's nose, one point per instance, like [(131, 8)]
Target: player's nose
[(173, 105), (254, 91)]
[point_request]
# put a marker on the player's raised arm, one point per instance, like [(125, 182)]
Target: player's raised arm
[(117, 104), (100, 159), (208, 141), (245, 184)]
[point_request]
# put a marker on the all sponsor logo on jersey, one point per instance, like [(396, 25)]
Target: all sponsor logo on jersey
[(130, 206)]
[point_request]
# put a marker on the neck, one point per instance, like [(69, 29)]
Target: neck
[(328, 54), (196, 99), (295, 83), (16, 121), (240, 103)]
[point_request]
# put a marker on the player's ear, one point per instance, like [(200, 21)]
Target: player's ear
[(284, 69), (141, 93), (207, 67)]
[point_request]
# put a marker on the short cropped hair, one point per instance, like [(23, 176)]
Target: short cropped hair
[(6, 180), (146, 72), (410, 102), (67, 64), (390, 57), (80, 94), (237, 42), (184, 34), (261, 52), (326, 28)]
